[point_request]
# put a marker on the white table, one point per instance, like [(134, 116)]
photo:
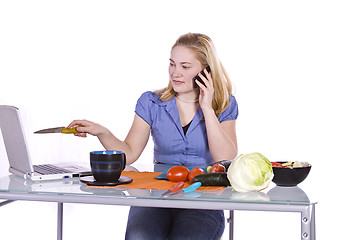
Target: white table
[(278, 199)]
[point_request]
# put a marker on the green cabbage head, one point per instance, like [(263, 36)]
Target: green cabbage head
[(250, 172)]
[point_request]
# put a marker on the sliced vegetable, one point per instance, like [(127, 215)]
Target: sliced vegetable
[(276, 164), (225, 163), (295, 164), (217, 168), (287, 164), (301, 164)]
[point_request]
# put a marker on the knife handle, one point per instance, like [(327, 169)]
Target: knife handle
[(69, 130), (192, 187)]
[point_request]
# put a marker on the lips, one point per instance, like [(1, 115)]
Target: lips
[(177, 82)]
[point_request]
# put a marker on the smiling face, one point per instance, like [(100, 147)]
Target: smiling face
[(184, 66)]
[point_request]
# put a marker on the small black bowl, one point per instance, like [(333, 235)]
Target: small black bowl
[(290, 177)]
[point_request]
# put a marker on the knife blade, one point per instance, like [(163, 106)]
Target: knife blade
[(177, 187), (58, 130)]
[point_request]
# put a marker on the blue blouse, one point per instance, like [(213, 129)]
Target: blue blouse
[(171, 146)]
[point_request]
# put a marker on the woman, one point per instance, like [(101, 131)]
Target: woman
[(190, 126)]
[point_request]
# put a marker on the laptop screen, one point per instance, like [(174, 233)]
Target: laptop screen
[(14, 139)]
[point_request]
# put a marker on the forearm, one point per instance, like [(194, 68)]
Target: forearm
[(222, 140), (132, 146)]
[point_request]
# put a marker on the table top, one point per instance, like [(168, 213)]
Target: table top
[(73, 190)]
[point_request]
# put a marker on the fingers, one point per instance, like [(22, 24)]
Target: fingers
[(206, 91), (82, 123), (207, 75), (81, 127), (85, 127), (208, 82), (81, 134)]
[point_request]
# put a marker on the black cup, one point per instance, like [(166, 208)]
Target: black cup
[(107, 166)]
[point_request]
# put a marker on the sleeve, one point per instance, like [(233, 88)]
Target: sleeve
[(231, 112), (143, 108)]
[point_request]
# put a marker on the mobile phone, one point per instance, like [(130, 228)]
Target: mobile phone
[(197, 77)]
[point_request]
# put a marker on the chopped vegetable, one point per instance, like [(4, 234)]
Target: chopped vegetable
[(287, 164), (225, 163), (250, 172), (301, 164), (295, 164), (276, 164), (217, 168)]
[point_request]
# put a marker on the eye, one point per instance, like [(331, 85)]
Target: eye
[(185, 67), (172, 64)]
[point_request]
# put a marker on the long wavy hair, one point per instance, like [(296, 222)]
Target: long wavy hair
[(205, 52)]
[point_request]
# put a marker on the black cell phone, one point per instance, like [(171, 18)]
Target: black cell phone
[(197, 77)]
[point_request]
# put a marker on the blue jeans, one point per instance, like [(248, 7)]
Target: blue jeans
[(174, 224)]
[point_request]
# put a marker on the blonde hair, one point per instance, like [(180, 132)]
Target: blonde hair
[(204, 51)]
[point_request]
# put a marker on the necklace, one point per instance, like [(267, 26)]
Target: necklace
[(187, 101)]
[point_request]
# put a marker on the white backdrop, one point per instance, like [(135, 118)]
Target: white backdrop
[(294, 64)]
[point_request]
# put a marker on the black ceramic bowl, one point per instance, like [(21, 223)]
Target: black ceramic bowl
[(290, 177), (107, 166)]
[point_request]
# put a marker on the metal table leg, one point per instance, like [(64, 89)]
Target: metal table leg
[(308, 223), (60, 221), (6, 202), (231, 225), (307, 219)]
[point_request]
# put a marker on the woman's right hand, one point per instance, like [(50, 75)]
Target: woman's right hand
[(84, 127)]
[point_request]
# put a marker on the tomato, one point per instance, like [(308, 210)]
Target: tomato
[(217, 168), (194, 172), (178, 173)]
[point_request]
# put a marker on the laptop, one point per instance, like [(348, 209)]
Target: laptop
[(19, 156)]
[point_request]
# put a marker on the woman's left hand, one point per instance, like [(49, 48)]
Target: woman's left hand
[(206, 91)]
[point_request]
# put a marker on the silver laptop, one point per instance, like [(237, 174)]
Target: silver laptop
[(19, 156)]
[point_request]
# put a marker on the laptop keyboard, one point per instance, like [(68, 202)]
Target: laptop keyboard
[(46, 169)]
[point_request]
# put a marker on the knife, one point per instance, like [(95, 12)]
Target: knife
[(58, 130), (177, 188), (192, 187)]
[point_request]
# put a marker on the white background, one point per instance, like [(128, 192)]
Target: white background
[(295, 65)]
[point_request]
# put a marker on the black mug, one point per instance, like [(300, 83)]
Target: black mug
[(107, 166)]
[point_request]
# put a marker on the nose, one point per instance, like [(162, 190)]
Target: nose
[(175, 72)]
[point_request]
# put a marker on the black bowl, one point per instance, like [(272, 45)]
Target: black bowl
[(289, 177)]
